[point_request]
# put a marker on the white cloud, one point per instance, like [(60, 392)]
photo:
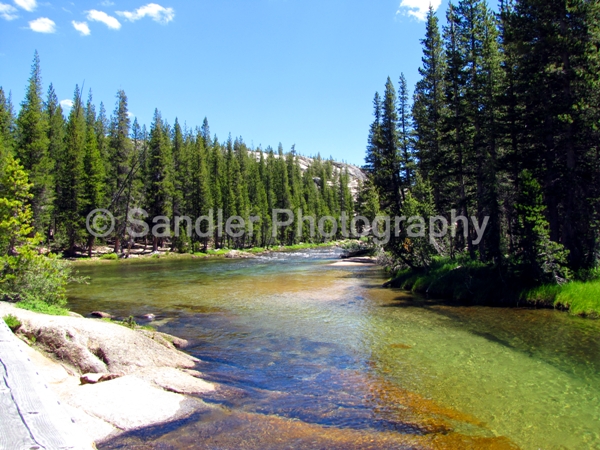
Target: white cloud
[(42, 25), (82, 27), (107, 3), (158, 13), (101, 16), (27, 5), (7, 12), (66, 104), (418, 8), (130, 115)]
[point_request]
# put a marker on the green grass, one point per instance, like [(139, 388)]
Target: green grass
[(110, 256), (12, 322), (42, 307), (578, 297)]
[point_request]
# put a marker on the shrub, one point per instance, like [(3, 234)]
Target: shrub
[(110, 256), (29, 276), (12, 322), (35, 282)]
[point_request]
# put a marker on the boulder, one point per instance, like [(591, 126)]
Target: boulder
[(92, 346), (100, 315), (132, 378), (93, 378)]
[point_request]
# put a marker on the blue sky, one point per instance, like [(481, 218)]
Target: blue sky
[(289, 71)]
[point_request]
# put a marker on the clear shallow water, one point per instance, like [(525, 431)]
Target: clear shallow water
[(313, 355)]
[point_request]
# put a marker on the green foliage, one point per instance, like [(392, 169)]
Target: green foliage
[(110, 256), (12, 322), (31, 277), (32, 146), (7, 123), (546, 259), (415, 246), (578, 297), (429, 106), (463, 279), (367, 203), (36, 281), (15, 210), (69, 202)]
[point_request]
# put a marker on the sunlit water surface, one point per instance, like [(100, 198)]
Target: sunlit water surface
[(314, 355)]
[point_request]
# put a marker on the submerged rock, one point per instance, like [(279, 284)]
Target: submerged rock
[(100, 315)]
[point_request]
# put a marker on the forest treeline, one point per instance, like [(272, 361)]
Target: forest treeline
[(504, 123), (88, 160)]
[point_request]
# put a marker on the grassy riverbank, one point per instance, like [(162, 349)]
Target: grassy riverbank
[(578, 297), (474, 282)]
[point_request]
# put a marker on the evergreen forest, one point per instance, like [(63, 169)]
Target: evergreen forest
[(503, 123)]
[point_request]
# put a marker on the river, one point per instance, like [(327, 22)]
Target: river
[(316, 355)]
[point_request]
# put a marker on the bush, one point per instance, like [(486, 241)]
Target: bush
[(110, 256), (12, 322), (35, 282)]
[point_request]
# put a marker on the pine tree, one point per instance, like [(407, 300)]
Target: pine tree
[(217, 177), (15, 211), (405, 138), (457, 160), (92, 179), (178, 168), (390, 187), (367, 203), (7, 122), (56, 143), (159, 184), (544, 259), (554, 73), (374, 156), (32, 147), (68, 203), (101, 128), (261, 202), (120, 167), (201, 196), (429, 106)]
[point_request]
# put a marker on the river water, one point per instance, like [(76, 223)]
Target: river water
[(311, 354)]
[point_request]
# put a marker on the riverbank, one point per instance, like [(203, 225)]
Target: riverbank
[(111, 379), (473, 282), (107, 256)]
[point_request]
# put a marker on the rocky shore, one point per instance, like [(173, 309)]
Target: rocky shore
[(111, 378)]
